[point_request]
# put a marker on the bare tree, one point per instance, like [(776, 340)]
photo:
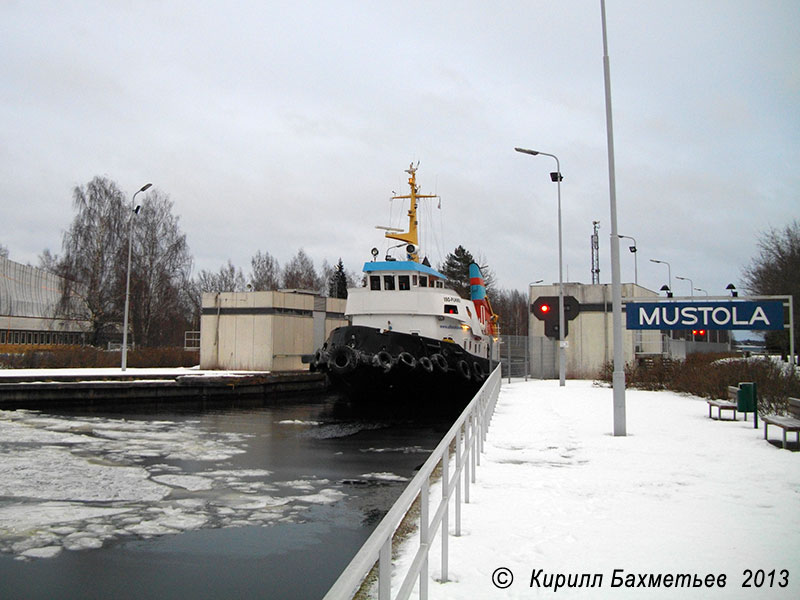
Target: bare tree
[(48, 261), (3, 251), (90, 264), (266, 272), (300, 273), (776, 271), (161, 264)]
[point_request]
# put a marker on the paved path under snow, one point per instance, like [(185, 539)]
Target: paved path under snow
[(557, 494)]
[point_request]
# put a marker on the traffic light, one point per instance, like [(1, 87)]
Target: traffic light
[(546, 309), (699, 334)]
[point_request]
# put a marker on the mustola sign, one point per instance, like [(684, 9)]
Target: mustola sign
[(743, 315)]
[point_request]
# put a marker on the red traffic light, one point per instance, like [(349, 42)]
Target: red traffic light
[(545, 308), (700, 332)]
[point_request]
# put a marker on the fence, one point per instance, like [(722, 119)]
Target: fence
[(534, 356), (468, 433)]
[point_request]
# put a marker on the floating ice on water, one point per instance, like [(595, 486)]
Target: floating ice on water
[(55, 474), (17, 518), (74, 483), (298, 422), (192, 483), (43, 552), (326, 496), (384, 477)]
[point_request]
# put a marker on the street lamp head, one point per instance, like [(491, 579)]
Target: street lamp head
[(653, 260), (632, 249), (526, 151), (145, 187)]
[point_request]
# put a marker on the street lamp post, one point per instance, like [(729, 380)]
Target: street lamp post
[(134, 210), (561, 345), (691, 284), (669, 269), (633, 250)]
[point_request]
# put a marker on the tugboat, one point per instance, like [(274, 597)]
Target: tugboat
[(410, 334)]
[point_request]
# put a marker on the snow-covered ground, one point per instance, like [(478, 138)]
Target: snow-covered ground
[(557, 496), (72, 483)]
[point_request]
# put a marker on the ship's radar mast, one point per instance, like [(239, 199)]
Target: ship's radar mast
[(410, 237)]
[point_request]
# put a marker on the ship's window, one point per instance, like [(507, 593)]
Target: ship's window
[(2, 337), (423, 281), (388, 282), (374, 282), (403, 282), (439, 284), (414, 281), (450, 309)]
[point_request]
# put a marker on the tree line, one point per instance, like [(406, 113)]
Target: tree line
[(165, 294), (166, 297)]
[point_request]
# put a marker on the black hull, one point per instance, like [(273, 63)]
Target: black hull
[(373, 364)]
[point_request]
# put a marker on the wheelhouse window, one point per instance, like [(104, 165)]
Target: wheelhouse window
[(450, 309), (374, 282), (423, 281), (403, 282), (388, 282)]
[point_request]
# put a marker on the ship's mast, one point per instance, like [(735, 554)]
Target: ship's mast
[(410, 237)]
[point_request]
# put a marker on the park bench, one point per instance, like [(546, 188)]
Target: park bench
[(730, 404), (787, 423)]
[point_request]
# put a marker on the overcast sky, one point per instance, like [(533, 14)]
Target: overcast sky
[(279, 125)]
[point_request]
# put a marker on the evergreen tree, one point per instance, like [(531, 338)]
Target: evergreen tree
[(337, 283), (456, 269)]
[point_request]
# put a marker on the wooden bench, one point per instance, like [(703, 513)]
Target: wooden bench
[(730, 404), (788, 423)]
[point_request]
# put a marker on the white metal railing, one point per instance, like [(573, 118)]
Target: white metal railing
[(469, 433)]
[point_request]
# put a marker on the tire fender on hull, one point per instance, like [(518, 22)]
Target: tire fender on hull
[(383, 360), (463, 369), (343, 360)]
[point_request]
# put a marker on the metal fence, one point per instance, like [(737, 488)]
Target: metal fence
[(468, 434), (535, 357)]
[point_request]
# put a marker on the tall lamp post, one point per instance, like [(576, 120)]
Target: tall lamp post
[(633, 250), (669, 269), (134, 210), (691, 284), (561, 345)]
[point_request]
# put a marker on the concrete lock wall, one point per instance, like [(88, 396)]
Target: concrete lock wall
[(265, 331), (590, 334)]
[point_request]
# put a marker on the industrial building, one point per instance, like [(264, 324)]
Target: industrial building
[(265, 331), (589, 334), (29, 299)]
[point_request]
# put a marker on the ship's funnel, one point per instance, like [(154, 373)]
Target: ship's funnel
[(477, 285)]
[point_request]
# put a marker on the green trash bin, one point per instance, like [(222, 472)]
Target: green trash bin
[(747, 400)]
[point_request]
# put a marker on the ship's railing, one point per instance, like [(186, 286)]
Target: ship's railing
[(468, 434)]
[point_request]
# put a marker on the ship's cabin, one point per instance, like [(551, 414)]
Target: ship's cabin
[(392, 276)]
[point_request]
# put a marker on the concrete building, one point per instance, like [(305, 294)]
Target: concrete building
[(265, 331), (590, 335), (29, 300)]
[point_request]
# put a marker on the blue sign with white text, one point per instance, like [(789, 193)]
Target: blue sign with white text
[(766, 315)]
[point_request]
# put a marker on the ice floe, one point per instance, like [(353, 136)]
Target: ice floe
[(70, 483)]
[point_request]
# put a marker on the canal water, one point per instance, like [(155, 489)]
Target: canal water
[(264, 500)]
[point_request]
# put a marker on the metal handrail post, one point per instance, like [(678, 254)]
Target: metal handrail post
[(445, 517), (424, 537), (458, 482)]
